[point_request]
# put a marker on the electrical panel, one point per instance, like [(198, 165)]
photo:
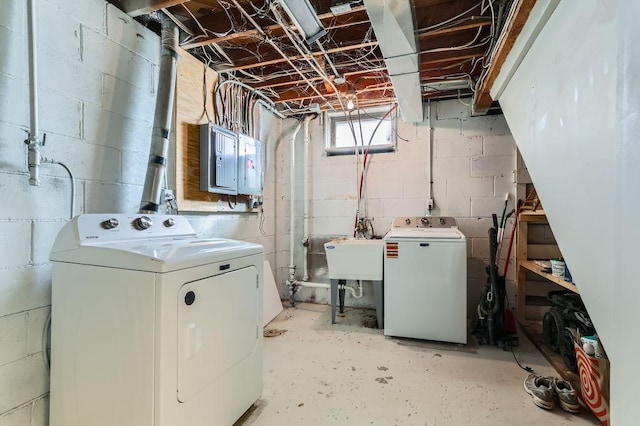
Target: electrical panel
[(249, 166), (218, 160)]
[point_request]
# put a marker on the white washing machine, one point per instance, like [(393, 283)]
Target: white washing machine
[(152, 326), (425, 279)]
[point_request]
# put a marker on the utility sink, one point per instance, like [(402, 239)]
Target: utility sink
[(354, 259)]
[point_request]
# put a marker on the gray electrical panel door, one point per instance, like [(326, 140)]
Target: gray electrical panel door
[(218, 160), (249, 166)]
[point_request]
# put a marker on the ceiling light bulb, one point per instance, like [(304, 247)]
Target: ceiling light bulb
[(350, 105)]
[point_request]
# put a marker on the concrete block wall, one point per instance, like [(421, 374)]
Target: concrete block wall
[(96, 99), (97, 86), (473, 161)]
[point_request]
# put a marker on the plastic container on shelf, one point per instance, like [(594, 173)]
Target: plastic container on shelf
[(557, 267)]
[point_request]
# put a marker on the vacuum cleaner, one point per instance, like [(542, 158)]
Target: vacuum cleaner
[(491, 308)]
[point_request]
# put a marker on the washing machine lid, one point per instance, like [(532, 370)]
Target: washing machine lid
[(159, 248), (425, 233)]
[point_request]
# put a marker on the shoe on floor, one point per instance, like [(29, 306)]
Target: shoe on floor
[(541, 390), (566, 396)]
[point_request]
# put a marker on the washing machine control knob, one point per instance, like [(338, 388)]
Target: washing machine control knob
[(142, 223), (110, 223), (424, 221), (169, 222), (407, 221)]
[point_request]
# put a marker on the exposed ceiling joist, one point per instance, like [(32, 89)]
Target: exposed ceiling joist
[(477, 23), (450, 41), (513, 27), (141, 7), (294, 95), (297, 57), (324, 18), (288, 81)]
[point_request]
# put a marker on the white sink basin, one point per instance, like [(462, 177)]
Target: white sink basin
[(352, 259)]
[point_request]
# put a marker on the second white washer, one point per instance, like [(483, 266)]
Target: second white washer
[(425, 280)]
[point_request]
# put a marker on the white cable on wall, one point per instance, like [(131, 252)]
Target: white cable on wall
[(73, 184)]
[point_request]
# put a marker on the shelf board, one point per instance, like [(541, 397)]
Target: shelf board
[(536, 269), (532, 216)]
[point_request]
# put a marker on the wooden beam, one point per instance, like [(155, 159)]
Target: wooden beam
[(142, 7), (268, 29), (453, 58), (513, 28), (477, 23), (298, 57), (293, 96), (287, 81)]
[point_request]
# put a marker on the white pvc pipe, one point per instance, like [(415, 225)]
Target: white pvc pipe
[(34, 139), (312, 285), (353, 292), (328, 286), (307, 189), (292, 213)]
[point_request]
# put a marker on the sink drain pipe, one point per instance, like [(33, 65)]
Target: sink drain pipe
[(292, 283), (162, 121)]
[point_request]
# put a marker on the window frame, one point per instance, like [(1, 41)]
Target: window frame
[(368, 114)]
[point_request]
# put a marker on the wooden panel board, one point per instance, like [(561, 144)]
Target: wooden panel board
[(190, 113), (483, 99), (543, 251)]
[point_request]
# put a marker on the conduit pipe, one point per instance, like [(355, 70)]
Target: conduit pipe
[(307, 190), (34, 143), (292, 282), (269, 107), (159, 149), (292, 213)]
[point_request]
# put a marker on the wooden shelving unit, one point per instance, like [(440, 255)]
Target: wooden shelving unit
[(537, 269), (533, 329), (524, 264)]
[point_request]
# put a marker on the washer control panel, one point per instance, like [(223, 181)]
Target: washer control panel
[(424, 222), (104, 228)]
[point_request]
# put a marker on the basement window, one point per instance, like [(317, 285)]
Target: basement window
[(348, 131)]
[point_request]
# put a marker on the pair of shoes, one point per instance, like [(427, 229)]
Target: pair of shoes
[(544, 390), (541, 390), (566, 396)]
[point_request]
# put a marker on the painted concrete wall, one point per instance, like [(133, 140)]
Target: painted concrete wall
[(563, 120), (96, 87), (577, 125), (625, 288), (97, 76), (473, 164)]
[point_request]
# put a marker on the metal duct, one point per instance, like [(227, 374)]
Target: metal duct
[(393, 23), (159, 149)]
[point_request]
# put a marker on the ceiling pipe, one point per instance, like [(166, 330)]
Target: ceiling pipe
[(159, 150)]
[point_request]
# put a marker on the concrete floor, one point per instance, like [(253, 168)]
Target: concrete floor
[(345, 374)]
